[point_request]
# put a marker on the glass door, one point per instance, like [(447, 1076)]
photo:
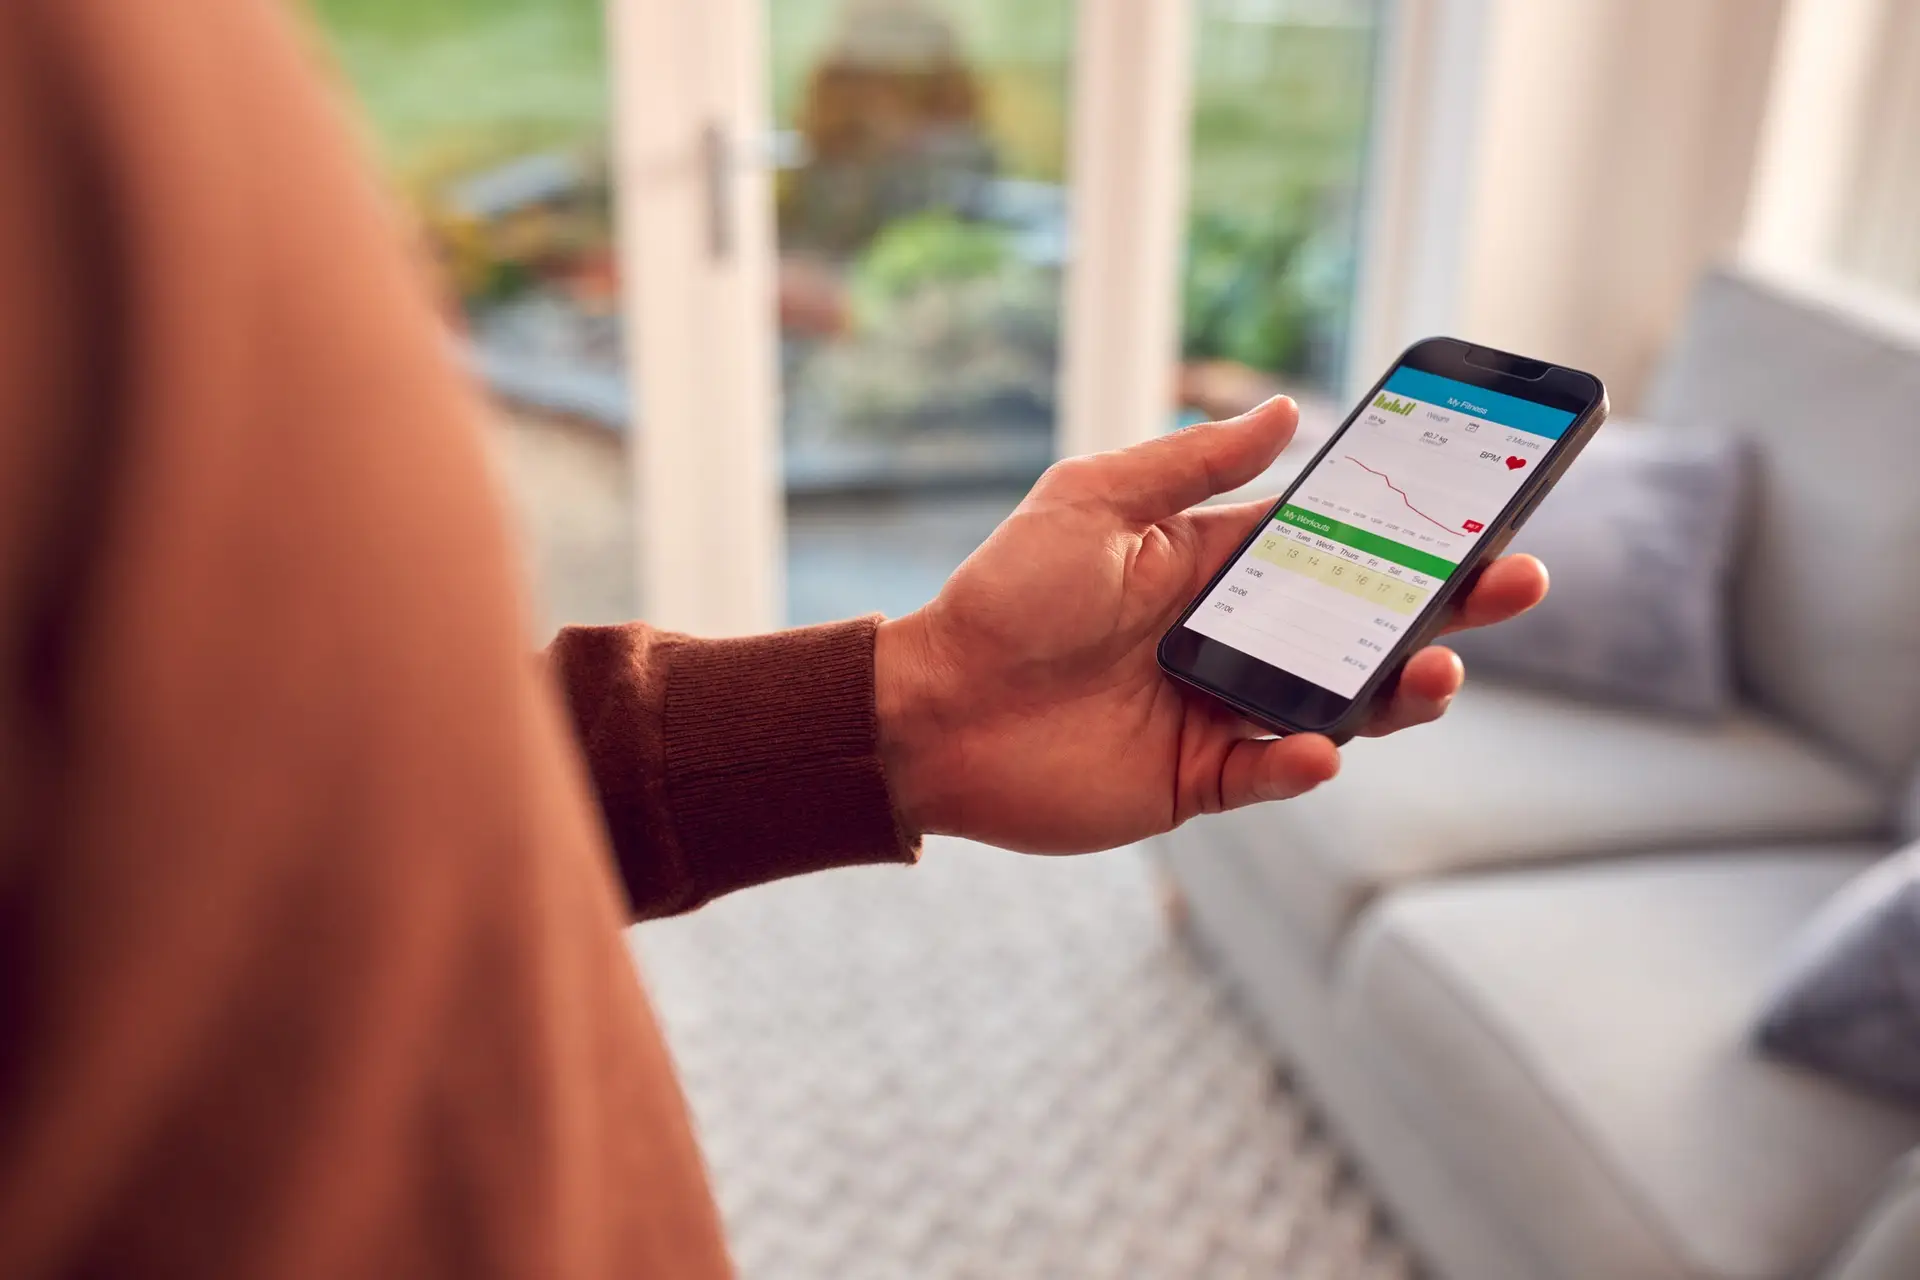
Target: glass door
[(1283, 92), (936, 188), (818, 345), (921, 206)]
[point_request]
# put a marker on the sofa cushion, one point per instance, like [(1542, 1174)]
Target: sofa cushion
[(1847, 995), (1825, 378), (1887, 1245), (1640, 537), (1514, 776), (1574, 1040)]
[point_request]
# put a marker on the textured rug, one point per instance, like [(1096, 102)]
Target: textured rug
[(991, 1066)]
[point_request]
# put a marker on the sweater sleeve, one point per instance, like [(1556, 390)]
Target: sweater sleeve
[(721, 764)]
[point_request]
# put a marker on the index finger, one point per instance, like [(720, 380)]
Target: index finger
[(1162, 477), (1507, 588)]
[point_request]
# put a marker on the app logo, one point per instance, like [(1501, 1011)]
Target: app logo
[(1392, 404)]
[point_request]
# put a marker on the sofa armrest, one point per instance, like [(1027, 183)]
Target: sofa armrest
[(1886, 1244)]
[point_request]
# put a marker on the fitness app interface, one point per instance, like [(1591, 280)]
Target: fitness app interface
[(1373, 531)]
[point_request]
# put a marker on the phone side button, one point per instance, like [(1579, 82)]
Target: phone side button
[(1527, 511)]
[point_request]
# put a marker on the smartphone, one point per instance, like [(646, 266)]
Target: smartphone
[(1355, 568)]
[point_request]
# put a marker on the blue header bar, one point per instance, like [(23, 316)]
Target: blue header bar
[(1494, 406)]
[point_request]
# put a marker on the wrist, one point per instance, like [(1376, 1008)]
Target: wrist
[(914, 713)]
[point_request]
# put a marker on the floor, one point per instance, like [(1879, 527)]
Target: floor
[(991, 1066), (987, 1065)]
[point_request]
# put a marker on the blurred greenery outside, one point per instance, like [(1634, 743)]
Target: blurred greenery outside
[(452, 87)]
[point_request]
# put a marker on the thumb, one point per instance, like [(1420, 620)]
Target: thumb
[(1162, 477), (1261, 769)]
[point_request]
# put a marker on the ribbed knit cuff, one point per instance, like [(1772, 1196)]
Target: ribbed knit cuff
[(772, 756)]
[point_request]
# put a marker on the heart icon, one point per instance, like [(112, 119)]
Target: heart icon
[(1514, 464)]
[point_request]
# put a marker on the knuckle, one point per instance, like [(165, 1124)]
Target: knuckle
[(1065, 476)]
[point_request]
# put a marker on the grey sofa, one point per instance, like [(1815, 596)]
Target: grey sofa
[(1516, 957)]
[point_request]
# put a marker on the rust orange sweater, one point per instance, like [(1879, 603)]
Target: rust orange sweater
[(310, 961)]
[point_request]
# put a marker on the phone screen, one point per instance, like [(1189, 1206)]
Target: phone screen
[(1387, 515)]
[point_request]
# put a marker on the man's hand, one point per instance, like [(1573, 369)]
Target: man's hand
[(1023, 707)]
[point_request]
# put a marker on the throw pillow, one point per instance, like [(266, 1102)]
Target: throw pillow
[(1848, 999), (1640, 537)]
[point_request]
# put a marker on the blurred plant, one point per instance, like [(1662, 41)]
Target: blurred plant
[(927, 249), (1243, 297), (477, 274), (952, 327), (533, 222)]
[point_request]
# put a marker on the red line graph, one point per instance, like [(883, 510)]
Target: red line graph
[(1404, 498)]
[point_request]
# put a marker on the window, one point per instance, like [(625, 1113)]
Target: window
[(922, 224), (1282, 92), (491, 117)]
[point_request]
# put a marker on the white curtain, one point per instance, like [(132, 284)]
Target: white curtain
[(1880, 228)]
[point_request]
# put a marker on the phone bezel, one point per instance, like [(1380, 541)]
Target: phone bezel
[(1288, 703)]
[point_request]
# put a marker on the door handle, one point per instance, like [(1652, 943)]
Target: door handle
[(722, 158), (716, 159)]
